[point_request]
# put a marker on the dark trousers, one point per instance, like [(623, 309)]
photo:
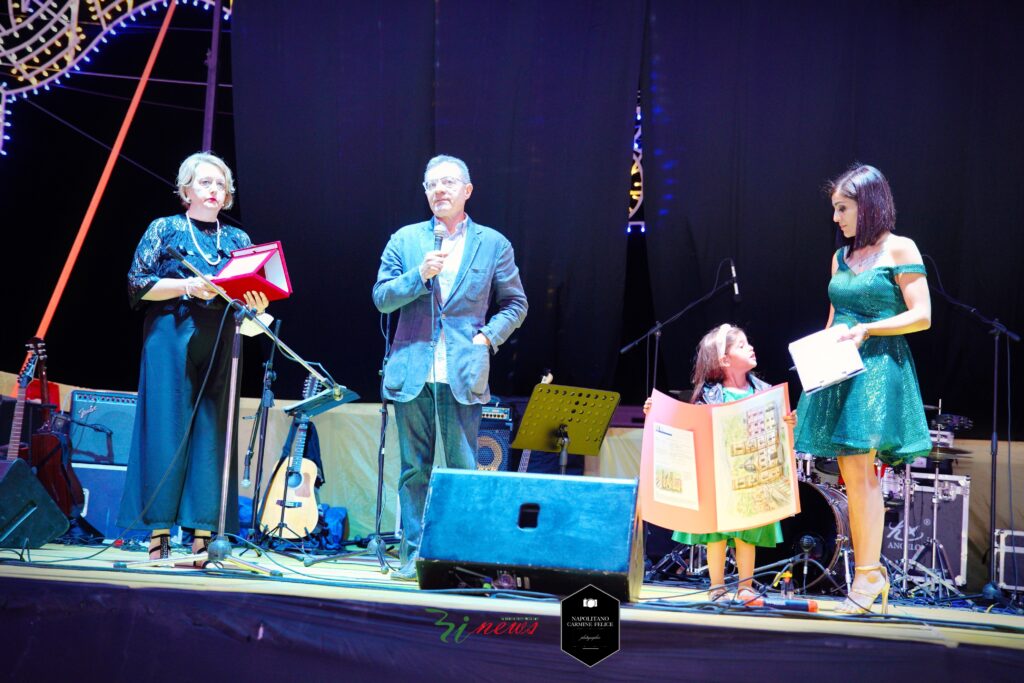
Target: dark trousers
[(165, 486), (458, 425)]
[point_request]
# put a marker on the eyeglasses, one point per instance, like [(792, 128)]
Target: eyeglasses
[(448, 183), (207, 183)]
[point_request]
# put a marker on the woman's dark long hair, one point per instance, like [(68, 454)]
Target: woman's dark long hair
[(876, 212)]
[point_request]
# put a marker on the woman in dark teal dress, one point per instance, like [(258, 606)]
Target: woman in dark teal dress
[(722, 373), (879, 291), (175, 464)]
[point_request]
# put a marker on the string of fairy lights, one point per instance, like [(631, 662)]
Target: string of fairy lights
[(45, 42), (636, 177)]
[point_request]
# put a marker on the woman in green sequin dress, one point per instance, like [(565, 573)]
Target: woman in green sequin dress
[(722, 374), (878, 289)]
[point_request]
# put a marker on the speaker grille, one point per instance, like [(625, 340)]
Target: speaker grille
[(492, 445)]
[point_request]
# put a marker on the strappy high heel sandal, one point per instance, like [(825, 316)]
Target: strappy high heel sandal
[(160, 546), (859, 601)]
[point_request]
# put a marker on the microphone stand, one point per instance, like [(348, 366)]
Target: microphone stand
[(658, 326), (991, 590), (375, 542), (262, 414), (219, 550)]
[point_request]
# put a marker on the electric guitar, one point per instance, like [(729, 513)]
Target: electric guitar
[(15, 446), (49, 452), (524, 462), (289, 509)]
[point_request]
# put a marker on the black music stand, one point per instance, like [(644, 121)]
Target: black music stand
[(566, 420), (328, 399)]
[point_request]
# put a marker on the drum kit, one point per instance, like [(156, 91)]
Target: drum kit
[(819, 536)]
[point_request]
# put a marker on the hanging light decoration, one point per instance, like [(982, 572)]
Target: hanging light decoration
[(44, 42)]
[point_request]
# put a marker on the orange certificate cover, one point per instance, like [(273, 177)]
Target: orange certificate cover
[(258, 268), (726, 467)]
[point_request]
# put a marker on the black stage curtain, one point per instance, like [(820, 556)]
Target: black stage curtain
[(751, 107), (338, 108), (333, 124)]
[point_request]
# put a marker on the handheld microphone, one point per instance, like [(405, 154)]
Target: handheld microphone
[(788, 605), (735, 282), (439, 233)]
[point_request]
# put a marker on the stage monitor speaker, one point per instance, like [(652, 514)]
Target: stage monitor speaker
[(28, 516), (533, 532), (492, 445), (101, 426)]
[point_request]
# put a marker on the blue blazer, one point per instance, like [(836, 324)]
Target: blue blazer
[(488, 270)]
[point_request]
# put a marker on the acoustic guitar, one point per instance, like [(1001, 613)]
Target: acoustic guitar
[(289, 509)]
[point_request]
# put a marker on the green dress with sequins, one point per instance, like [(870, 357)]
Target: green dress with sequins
[(880, 408), (767, 536)]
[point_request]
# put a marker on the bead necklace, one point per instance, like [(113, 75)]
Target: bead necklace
[(192, 231)]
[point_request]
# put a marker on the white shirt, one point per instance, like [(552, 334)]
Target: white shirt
[(453, 245)]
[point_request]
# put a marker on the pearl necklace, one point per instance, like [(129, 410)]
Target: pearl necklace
[(192, 231)]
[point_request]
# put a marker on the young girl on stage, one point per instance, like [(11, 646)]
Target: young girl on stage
[(721, 374)]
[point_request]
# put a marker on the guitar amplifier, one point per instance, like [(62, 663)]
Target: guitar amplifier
[(492, 444), (101, 426), (498, 413)]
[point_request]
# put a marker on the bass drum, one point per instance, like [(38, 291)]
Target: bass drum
[(823, 526)]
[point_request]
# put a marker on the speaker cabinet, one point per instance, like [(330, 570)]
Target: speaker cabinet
[(492, 450), (103, 486), (535, 532), (101, 426), (28, 516)]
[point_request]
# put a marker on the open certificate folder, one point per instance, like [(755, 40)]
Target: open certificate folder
[(821, 360), (716, 468), (259, 268)]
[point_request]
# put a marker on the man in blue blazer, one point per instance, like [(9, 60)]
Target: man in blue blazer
[(437, 372)]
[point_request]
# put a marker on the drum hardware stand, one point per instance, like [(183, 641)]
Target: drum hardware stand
[(937, 576), (219, 550), (908, 487)]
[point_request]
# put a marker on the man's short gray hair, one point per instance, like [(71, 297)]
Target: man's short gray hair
[(444, 158)]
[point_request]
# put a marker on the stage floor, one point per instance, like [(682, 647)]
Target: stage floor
[(356, 619)]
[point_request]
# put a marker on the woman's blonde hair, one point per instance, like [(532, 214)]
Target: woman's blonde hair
[(187, 175)]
